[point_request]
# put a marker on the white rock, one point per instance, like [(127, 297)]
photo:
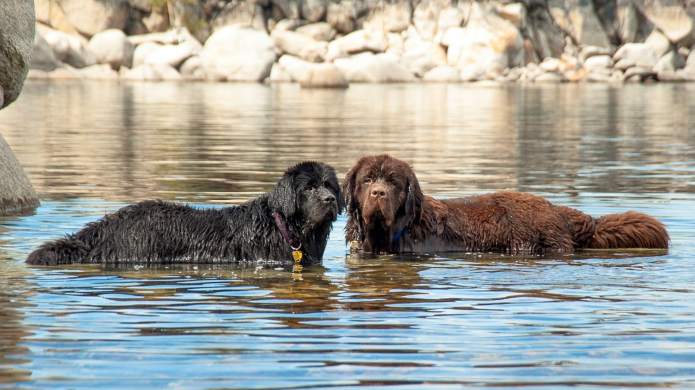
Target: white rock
[(442, 73), (323, 76), (192, 69), (639, 53), (356, 42), (238, 54), (319, 31), (172, 55), (590, 51), (93, 16), (624, 64), (278, 74), (670, 62), (550, 64), (390, 16), (373, 68), (597, 62), (150, 72), (549, 77), (419, 56), (67, 48), (658, 42), (142, 51), (112, 47), (300, 45)]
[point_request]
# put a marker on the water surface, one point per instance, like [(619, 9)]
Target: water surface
[(596, 319)]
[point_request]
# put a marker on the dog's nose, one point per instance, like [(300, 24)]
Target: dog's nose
[(378, 191), (329, 198)]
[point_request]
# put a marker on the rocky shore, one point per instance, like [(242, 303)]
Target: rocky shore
[(322, 43)]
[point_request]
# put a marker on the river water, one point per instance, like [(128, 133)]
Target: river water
[(616, 319)]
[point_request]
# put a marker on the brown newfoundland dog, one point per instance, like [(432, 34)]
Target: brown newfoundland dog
[(388, 213)]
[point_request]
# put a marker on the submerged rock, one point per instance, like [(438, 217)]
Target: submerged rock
[(16, 193)]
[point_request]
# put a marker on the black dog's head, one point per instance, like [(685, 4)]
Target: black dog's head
[(308, 191)]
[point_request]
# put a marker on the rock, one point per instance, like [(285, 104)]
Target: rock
[(192, 69), (658, 42), (590, 51), (149, 72), (515, 13), (50, 15), (639, 73), (342, 15), (67, 48), (357, 42), (17, 44), (598, 62), (442, 73), (599, 77), (580, 21), (324, 76), (432, 18), (640, 54), (112, 47), (670, 62), (391, 16), (546, 37), (241, 13), (238, 54), (300, 45), (373, 68), (157, 21), (98, 72), (278, 74), (624, 64), (671, 76), (485, 47), (143, 50), (549, 77), (172, 55), (420, 56), (42, 56), (141, 5), (17, 196), (189, 14), (90, 17), (296, 68), (314, 10), (671, 18), (550, 64), (318, 31), (285, 9), (287, 25)]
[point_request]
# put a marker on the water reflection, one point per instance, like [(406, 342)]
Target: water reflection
[(601, 319)]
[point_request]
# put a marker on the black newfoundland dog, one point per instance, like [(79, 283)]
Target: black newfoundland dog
[(289, 224)]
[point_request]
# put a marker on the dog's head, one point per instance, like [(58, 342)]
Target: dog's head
[(383, 198), (308, 191)]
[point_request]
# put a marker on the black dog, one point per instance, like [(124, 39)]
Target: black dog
[(291, 221)]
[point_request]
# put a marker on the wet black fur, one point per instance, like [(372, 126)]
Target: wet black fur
[(307, 196)]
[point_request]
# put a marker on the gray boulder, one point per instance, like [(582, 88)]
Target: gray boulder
[(16, 193), (68, 48), (42, 56), (670, 17), (16, 45)]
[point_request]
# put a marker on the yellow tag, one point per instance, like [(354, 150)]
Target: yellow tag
[(297, 256)]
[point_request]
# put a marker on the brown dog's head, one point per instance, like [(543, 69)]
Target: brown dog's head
[(383, 198)]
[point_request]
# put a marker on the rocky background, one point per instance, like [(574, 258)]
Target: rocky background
[(328, 43)]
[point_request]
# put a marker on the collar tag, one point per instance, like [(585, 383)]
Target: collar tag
[(297, 255)]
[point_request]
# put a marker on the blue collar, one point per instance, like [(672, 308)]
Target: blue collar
[(398, 235)]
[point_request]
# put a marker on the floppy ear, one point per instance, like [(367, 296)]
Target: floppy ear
[(348, 188), (283, 197), (341, 201), (413, 201)]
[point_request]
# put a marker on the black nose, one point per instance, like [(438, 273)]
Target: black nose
[(329, 199), (378, 193)]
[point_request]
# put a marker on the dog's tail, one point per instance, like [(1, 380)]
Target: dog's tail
[(64, 251), (628, 230)]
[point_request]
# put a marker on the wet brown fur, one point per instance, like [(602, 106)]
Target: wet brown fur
[(388, 213)]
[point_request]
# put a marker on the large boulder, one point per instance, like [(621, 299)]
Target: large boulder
[(390, 16), (485, 47), (342, 15), (300, 45), (442, 73), (324, 76), (546, 38), (432, 18), (92, 16), (16, 46), (374, 68), (16, 193), (236, 53), (670, 17), (579, 19), (357, 42), (639, 54), (68, 48), (112, 47), (419, 55), (321, 31), (191, 15)]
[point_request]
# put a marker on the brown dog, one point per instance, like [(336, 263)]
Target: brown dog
[(388, 213)]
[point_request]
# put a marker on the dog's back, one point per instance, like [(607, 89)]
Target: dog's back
[(146, 231)]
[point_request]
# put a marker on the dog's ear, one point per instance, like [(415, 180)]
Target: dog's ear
[(414, 198), (348, 188), (283, 197)]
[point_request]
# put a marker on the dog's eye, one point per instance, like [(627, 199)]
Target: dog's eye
[(367, 180)]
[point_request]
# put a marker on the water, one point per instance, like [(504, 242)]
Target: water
[(606, 319)]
